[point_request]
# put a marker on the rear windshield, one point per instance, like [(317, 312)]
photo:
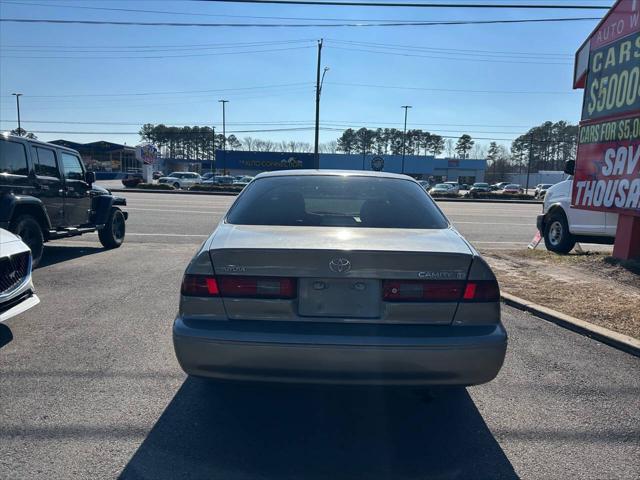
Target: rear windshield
[(342, 201)]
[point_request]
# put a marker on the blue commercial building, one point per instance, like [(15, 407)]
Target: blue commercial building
[(238, 162)]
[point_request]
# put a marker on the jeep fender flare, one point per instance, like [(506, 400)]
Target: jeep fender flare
[(14, 205), (102, 206)]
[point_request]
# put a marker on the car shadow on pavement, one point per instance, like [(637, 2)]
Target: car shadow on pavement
[(233, 431), (54, 254)]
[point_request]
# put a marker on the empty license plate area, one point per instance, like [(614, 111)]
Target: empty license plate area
[(347, 298)]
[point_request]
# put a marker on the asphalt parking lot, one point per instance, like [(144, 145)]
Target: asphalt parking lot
[(90, 387)]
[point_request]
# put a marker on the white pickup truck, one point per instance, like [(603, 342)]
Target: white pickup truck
[(562, 226)]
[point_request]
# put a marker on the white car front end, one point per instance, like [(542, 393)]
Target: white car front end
[(17, 293)]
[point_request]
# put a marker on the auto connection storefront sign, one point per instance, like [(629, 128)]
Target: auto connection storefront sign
[(607, 173)]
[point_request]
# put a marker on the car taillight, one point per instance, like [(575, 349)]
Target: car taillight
[(232, 286), (482, 291), (199, 286), (418, 291), (440, 291), (257, 287)]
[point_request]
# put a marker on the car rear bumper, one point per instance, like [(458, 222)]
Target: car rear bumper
[(453, 356)]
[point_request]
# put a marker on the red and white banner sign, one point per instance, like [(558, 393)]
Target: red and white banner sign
[(607, 178)]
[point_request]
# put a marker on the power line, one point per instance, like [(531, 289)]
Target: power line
[(450, 90), (272, 122), (294, 25), (182, 55), (218, 90), (127, 49), (68, 132), (164, 47), (412, 4), (293, 87), (461, 51), (203, 14), (455, 59)]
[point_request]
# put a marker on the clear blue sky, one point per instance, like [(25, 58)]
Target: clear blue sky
[(235, 60)]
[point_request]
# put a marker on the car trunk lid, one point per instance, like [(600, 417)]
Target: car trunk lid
[(340, 274)]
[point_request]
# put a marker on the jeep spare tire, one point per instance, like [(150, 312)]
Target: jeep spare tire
[(28, 229), (112, 234)]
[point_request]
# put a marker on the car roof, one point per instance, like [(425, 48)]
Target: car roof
[(335, 173), (8, 136)]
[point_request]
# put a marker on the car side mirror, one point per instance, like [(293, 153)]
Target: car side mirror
[(570, 167), (90, 177)]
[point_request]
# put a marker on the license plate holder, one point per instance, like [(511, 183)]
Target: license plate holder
[(339, 297)]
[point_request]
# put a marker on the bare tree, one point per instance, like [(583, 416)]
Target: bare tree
[(303, 147), (449, 146), (329, 147), (248, 143)]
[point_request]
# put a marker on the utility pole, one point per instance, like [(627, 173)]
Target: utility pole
[(404, 135), (213, 158), (18, 107), (529, 163), (316, 151), (224, 137)]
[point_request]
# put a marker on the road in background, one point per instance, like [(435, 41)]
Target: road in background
[(90, 388), (156, 216)]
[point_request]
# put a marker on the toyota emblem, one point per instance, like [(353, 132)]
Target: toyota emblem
[(340, 265)]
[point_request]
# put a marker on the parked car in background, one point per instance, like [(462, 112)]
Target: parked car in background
[(181, 179), (424, 184), (16, 287), (46, 193), (132, 180), (157, 174), (541, 190), (512, 189), (224, 180), (480, 187), (443, 188), (286, 290), (243, 181), (455, 186), (207, 176), (499, 186)]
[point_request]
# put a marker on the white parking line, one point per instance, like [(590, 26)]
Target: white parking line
[(133, 234), (164, 210), (494, 223)]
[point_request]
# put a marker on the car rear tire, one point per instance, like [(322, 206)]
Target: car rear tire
[(557, 237), (112, 235), (29, 230), (176, 185)]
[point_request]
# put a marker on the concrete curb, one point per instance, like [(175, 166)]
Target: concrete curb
[(189, 192), (604, 335)]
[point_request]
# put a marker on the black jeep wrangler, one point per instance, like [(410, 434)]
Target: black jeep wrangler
[(46, 193)]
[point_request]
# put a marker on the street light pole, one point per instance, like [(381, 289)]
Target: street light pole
[(18, 108), (224, 137), (404, 135), (316, 151)]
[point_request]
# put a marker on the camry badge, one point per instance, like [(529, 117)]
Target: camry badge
[(340, 265)]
